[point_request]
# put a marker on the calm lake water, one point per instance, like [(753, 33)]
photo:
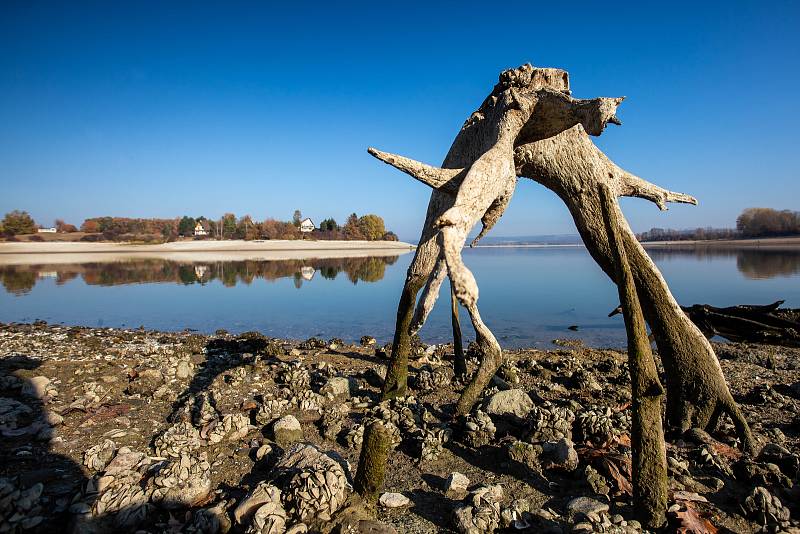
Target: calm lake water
[(529, 296)]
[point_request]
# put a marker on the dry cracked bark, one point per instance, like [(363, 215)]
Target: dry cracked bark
[(647, 434), (475, 183), (570, 165), (551, 147)]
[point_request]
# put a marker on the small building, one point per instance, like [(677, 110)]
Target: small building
[(200, 230), (306, 225), (46, 230)]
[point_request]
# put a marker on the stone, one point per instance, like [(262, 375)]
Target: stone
[(581, 507), (146, 383), (375, 376), (524, 453), (455, 487), (37, 387), (183, 370), (394, 500), (510, 402), (337, 386), (287, 430), (559, 455)]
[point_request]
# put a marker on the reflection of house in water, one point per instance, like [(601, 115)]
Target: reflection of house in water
[(47, 274), (200, 271), (307, 272)]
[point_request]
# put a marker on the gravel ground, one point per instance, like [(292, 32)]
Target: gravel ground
[(170, 432)]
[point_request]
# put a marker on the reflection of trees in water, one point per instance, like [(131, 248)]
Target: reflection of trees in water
[(17, 282), (20, 279), (768, 264), (754, 263)]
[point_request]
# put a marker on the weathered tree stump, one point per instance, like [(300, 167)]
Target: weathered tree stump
[(459, 360), (531, 111), (647, 435), (571, 166), (527, 105), (375, 449)]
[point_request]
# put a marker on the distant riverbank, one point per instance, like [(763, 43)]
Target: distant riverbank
[(59, 252), (764, 242)]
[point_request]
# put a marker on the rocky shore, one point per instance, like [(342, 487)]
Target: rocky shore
[(111, 430)]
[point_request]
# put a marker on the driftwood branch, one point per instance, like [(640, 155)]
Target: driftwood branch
[(445, 180), (476, 182), (571, 165), (748, 323), (647, 436)]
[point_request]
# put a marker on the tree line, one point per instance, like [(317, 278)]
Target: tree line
[(753, 222), (368, 227)]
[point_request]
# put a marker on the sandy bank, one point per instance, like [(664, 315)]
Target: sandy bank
[(27, 253), (771, 242)]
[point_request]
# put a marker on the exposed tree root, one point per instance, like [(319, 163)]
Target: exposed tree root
[(573, 167)]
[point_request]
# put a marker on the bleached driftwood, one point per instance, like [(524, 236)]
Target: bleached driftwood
[(475, 183), (570, 165)]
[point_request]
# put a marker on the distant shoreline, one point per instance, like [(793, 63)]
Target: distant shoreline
[(231, 250), (232, 245), (764, 242)]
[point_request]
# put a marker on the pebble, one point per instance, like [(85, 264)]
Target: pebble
[(510, 402), (394, 500), (456, 486), (584, 506), (287, 430)]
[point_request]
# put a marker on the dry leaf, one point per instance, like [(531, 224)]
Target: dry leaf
[(689, 521), (731, 453), (622, 481)]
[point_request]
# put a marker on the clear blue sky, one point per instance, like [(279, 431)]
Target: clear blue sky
[(161, 109)]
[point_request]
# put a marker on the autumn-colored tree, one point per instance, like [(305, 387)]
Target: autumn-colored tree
[(18, 222), (351, 229), (272, 229), (64, 228), (247, 229), (763, 222), (372, 227), (90, 226)]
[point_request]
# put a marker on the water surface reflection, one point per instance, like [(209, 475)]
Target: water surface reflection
[(21, 279), (754, 263), (528, 296)]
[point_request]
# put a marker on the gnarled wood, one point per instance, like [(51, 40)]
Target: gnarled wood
[(526, 105), (649, 466), (570, 165), (749, 323)]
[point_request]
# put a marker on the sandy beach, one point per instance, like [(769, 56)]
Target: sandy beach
[(75, 252), (770, 242)]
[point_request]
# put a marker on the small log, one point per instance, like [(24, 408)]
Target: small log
[(372, 462), (647, 439), (748, 323)]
